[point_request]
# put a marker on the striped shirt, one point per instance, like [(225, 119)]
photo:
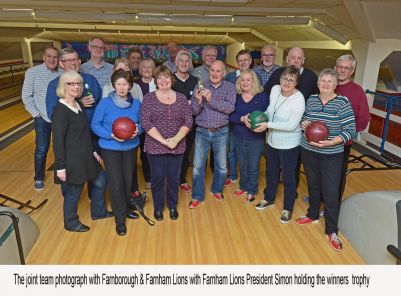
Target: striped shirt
[(103, 74), (34, 89), (215, 114), (339, 118)]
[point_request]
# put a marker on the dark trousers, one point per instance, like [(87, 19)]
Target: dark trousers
[(42, 143), (119, 169), (347, 152), (286, 159), (165, 179), (72, 193), (145, 165), (190, 139), (323, 174)]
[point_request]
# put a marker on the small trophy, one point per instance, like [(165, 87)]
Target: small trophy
[(201, 87)]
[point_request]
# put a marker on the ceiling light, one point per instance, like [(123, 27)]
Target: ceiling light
[(328, 31)]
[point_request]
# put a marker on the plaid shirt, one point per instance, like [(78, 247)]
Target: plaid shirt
[(264, 75), (215, 113)]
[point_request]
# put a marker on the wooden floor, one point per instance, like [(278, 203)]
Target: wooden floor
[(228, 232), (13, 116)]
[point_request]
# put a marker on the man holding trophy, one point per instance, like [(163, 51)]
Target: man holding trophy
[(212, 102)]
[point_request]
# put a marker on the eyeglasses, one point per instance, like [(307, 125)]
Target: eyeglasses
[(344, 68), (97, 47), (296, 58), (268, 55), (286, 80), (74, 83), (70, 61)]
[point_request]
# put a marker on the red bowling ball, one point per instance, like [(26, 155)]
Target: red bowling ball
[(123, 128), (316, 131)]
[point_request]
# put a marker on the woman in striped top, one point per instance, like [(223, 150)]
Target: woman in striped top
[(323, 160)]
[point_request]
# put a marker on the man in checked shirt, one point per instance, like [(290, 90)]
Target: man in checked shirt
[(211, 106)]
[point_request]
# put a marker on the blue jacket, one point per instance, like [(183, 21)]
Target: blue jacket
[(105, 114), (52, 98)]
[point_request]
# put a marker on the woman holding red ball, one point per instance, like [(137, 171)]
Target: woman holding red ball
[(119, 154)]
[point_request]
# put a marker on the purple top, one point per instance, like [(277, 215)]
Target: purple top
[(144, 86), (215, 113), (168, 119)]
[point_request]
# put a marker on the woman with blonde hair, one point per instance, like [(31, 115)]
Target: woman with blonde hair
[(76, 162), (249, 145)]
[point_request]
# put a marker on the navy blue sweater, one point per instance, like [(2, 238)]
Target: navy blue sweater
[(258, 103)]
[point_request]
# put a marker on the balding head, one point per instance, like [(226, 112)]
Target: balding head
[(172, 49), (217, 72), (295, 57)]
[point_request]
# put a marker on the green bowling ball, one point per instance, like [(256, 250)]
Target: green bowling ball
[(257, 117)]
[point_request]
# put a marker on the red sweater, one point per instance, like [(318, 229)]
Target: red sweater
[(359, 103)]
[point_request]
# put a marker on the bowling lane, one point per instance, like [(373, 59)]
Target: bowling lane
[(13, 116)]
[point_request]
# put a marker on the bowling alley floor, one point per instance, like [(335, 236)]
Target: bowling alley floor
[(228, 232)]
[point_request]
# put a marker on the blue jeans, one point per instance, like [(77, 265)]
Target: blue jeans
[(42, 141), (72, 193), (231, 156), (166, 170), (97, 195), (286, 159), (249, 154), (204, 140)]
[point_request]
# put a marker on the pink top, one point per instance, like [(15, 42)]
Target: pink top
[(168, 119)]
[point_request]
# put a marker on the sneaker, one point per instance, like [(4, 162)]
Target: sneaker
[(39, 185), (239, 192), (285, 217), (194, 204), (306, 199), (229, 181), (250, 198), (218, 196), (185, 187), (305, 220), (335, 242), (264, 204), (135, 194), (321, 214), (148, 185)]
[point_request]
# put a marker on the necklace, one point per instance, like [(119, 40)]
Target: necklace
[(275, 108), (163, 96)]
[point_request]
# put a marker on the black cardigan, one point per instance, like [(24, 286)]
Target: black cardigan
[(72, 145), (307, 83)]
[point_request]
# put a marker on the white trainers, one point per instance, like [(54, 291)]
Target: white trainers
[(285, 217), (263, 205)]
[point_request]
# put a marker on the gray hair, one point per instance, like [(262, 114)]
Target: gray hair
[(347, 57), (94, 38), (68, 50), (184, 52), (330, 72), (269, 46), (207, 48)]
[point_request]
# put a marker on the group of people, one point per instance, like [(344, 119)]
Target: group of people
[(176, 107)]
